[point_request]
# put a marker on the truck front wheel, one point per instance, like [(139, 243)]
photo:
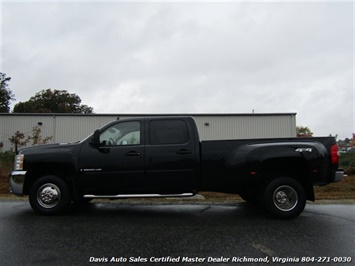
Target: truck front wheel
[(284, 198), (49, 195)]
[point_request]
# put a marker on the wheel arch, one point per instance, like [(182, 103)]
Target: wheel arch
[(295, 168), (66, 172)]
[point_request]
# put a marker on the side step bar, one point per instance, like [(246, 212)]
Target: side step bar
[(123, 196)]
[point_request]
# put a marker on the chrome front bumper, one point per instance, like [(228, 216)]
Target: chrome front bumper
[(339, 174), (17, 181)]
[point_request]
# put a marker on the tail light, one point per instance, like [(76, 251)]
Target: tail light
[(334, 155)]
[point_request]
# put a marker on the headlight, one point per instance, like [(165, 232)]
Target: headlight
[(18, 165)]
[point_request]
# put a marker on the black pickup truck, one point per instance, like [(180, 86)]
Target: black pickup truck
[(163, 157)]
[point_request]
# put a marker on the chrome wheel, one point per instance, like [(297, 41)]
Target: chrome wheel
[(48, 195), (285, 198)]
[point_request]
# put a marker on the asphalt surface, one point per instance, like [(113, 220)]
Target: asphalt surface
[(109, 233)]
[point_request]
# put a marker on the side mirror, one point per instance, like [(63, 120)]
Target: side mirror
[(96, 138)]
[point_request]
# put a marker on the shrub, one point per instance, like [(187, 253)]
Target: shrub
[(6, 159), (6, 165), (347, 162)]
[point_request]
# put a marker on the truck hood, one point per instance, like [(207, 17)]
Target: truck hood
[(51, 154), (49, 148)]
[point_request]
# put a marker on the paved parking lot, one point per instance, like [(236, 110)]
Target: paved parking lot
[(131, 234)]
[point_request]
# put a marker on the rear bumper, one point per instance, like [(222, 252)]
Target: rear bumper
[(17, 181), (339, 174)]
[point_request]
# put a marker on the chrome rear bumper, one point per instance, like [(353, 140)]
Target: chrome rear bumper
[(339, 174)]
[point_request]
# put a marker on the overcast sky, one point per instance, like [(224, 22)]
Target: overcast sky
[(154, 57)]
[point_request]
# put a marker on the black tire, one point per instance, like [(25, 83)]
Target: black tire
[(49, 195), (284, 198)]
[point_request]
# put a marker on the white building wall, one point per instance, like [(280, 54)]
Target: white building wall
[(9, 124), (74, 127), (246, 126)]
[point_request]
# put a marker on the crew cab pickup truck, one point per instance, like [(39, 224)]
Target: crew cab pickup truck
[(163, 157)]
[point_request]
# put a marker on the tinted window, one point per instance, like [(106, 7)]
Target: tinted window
[(168, 132)]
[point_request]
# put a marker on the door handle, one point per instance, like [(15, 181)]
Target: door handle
[(104, 149), (133, 153), (183, 151)]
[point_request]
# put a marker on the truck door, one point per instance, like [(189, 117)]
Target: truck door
[(117, 164), (171, 163)]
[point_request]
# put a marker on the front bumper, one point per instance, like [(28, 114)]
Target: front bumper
[(339, 174), (17, 181)]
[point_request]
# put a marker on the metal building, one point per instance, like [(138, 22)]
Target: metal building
[(74, 127)]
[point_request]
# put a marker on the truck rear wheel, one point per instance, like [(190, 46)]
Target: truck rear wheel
[(284, 198), (49, 195)]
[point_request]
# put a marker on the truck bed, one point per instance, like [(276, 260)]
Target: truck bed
[(218, 174)]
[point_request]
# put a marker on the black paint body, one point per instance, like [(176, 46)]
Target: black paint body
[(153, 165)]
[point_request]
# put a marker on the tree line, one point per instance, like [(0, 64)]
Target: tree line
[(61, 101), (44, 101)]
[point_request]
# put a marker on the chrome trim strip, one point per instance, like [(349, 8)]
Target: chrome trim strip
[(17, 181), (140, 196)]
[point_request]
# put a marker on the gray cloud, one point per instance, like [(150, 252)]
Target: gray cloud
[(188, 57)]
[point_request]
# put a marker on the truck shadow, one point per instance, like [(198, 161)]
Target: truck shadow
[(173, 211)]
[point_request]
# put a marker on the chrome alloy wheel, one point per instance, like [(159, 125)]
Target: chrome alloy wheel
[(285, 198), (48, 195)]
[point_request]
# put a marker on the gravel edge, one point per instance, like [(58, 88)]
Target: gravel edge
[(198, 200)]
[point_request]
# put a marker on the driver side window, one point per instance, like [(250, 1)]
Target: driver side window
[(126, 133)]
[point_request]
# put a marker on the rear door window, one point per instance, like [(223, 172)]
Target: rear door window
[(163, 132)]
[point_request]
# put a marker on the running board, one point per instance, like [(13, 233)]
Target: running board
[(122, 196)]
